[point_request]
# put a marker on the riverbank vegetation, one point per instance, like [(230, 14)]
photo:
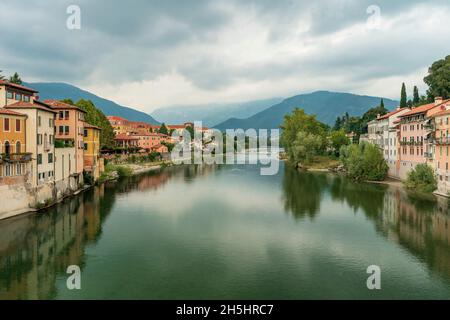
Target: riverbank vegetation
[(364, 162), (422, 179), (310, 144)]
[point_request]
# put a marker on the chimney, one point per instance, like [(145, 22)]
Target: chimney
[(437, 100)]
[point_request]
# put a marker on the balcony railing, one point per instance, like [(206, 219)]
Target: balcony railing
[(411, 143), (428, 155), (443, 140), (15, 157)]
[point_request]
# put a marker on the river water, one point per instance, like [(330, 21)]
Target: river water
[(227, 232)]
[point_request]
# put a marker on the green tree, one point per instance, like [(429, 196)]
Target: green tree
[(96, 117), (416, 97), (403, 97), (15, 78), (337, 124), (337, 140), (163, 129), (305, 147), (438, 79), (364, 162), (191, 131), (421, 179), (382, 104)]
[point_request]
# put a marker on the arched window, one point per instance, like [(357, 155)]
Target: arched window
[(7, 147), (18, 147)]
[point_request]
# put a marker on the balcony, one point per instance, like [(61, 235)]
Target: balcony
[(442, 141), (428, 155), (15, 157)]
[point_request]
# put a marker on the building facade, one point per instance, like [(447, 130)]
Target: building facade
[(93, 163)]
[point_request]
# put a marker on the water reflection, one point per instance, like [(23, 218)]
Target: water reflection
[(302, 193), (419, 224), (35, 250)]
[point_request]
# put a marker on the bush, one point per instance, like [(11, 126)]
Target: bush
[(305, 147), (421, 179), (364, 162), (124, 171)]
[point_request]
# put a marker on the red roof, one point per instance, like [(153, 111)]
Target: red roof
[(389, 114), (88, 125), (441, 113), (11, 112), (423, 108), (31, 105), (56, 104), (116, 118), (17, 86)]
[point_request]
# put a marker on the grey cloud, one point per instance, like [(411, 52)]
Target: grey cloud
[(139, 40)]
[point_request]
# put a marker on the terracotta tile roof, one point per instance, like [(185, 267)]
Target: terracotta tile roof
[(441, 113), (116, 118), (17, 86), (423, 108), (56, 104), (11, 112), (88, 125), (31, 105), (390, 114)]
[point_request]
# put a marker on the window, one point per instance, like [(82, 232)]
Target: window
[(61, 130), (39, 121), (61, 115), (85, 132), (66, 130), (50, 123), (26, 98), (6, 124), (85, 146), (51, 139), (7, 148), (66, 115), (17, 125), (18, 147), (18, 97), (39, 139), (7, 170), (9, 95), (50, 158), (39, 158)]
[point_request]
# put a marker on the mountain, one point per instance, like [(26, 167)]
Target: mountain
[(212, 114), (325, 104), (58, 91)]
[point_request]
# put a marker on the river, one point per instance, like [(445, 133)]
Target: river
[(227, 232)]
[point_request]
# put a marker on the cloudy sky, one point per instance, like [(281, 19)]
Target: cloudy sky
[(150, 54)]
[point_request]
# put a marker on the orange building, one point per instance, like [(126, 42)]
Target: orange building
[(14, 161), (69, 124), (93, 163)]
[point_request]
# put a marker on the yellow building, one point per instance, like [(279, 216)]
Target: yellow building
[(14, 161), (93, 162)]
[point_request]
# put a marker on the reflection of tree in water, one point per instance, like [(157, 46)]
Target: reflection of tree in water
[(302, 192), (367, 197)]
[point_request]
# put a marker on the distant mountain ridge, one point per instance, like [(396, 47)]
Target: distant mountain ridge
[(326, 105), (59, 90), (212, 114)]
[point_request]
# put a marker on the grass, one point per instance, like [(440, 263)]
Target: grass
[(323, 162)]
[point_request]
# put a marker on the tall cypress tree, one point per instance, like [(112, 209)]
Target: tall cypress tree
[(15, 78), (403, 98), (382, 104), (1, 77), (416, 97)]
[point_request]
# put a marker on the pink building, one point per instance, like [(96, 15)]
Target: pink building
[(148, 141), (415, 137)]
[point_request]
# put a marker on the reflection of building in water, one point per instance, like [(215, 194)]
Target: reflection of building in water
[(422, 226), (35, 249)]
